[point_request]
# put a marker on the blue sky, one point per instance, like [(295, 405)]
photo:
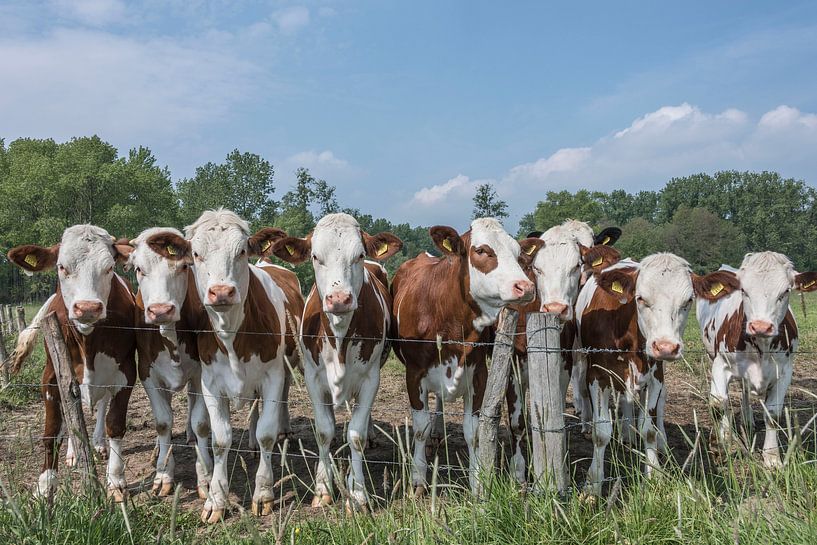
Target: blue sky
[(406, 107)]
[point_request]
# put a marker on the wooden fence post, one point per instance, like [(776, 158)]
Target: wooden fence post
[(3, 325), (5, 376), (21, 319), (545, 366), (491, 410), (71, 399), (10, 317)]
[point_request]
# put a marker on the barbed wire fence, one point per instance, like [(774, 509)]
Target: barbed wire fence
[(547, 429)]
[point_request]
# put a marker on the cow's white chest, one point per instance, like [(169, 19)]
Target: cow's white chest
[(172, 375), (344, 380), (104, 380), (450, 380), (759, 370), (238, 380)]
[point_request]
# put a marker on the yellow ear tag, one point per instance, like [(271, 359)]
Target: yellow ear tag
[(170, 250), (447, 245), (382, 248), (530, 250), (605, 241), (290, 249), (597, 262), (617, 287), (716, 288), (265, 245), (808, 284), (31, 259)]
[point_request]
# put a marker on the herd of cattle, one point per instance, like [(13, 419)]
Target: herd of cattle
[(206, 319)]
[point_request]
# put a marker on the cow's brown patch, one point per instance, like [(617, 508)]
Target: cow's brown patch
[(731, 336), (483, 258), (293, 305)]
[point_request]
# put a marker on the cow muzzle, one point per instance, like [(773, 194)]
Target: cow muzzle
[(559, 309), (339, 302), (760, 328), (160, 313), (522, 291), (87, 312), (222, 295), (664, 349)]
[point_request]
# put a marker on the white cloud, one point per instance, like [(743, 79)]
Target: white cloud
[(292, 19), (458, 187), (785, 118), (92, 12), (313, 159)]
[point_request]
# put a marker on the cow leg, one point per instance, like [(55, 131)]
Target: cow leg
[(190, 429), (515, 398), (748, 419), (602, 433), (267, 433), (775, 398), (437, 425), (582, 401), (628, 425), (218, 408), (200, 421), (356, 437), (648, 419), (163, 418), (470, 428), (99, 427), (47, 482), (115, 428), (70, 453), (252, 424), (719, 403), (421, 422), (325, 432), (284, 424)]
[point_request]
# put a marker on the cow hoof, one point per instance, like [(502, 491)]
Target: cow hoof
[(284, 435), (420, 491), (588, 498), (102, 452), (772, 462), (353, 506), (210, 515), (70, 460), (321, 500), (118, 495), (203, 490), (262, 508), (162, 489)]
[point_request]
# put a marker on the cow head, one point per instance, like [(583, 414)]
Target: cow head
[(161, 258), (84, 259), (338, 248), (495, 276), (221, 245), (663, 287), (766, 280)]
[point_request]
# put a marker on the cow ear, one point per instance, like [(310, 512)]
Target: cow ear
[(597, 258), (618, 283), (535, 234), (169, 245), (529, 247), (447, 240), (607, 237), (292, 249), (261, 243), (381, 246), (805, 281), (716, 285), (122, 251), (32, 258)]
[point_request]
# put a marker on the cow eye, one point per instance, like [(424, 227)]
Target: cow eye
[(243, 253), (138, 270), (62, 269), (480, 251), (641, 301), (109, 270)]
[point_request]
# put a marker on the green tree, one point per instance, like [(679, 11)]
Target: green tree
[(558, 206), (487, 203), (703, 239)]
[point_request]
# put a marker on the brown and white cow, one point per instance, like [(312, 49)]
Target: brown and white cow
[(443, 309), (245, 353), (631, 318), (751, 335), (558, 268), (96, 311), (344, 336)]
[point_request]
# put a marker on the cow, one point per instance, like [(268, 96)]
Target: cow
[(751, 335), (444, 307), (244, 354), (558, 269), (344, 334), (630, 319), (96, 312)]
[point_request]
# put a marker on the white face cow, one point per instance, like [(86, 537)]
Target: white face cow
[(337, 248), (766, 280), (161, 258), (221, 246), (84, 259), (664, 287), (495, 276)]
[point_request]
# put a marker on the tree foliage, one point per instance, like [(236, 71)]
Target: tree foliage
[(487, 203)]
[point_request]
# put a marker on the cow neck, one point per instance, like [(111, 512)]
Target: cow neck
[(483, 315), (732, 333)]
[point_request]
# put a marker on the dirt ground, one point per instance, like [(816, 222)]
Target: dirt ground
[(21, 453)]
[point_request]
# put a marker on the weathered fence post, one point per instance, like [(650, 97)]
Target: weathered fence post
[(545, 367), (491, 410), (3, 325), (5, 376), (12, 321), (21, 319), (71, 399)]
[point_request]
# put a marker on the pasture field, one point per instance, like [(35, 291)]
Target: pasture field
[(697, 498)]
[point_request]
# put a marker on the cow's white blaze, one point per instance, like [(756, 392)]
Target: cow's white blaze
[(161, 281), (557, 266), (85, 267), (496, 288), (766, 279), (337, 258), (664, 296)]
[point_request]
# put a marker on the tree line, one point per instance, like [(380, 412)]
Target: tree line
[(46, 186)]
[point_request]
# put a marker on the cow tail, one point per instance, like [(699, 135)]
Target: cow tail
[(27, 340)]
